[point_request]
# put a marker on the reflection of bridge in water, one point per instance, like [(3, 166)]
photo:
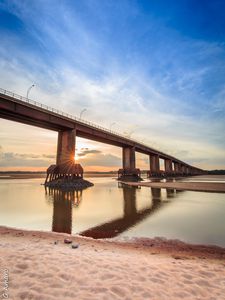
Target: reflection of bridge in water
[(64, 201), (131, 216)]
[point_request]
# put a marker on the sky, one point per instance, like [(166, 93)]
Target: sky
[(154, 70)]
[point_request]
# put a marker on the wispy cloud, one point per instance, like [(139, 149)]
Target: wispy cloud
[(84, 152), (101, 160), (10, 159)]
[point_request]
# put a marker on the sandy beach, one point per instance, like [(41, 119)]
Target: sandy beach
[(41, 266), (215, 187)]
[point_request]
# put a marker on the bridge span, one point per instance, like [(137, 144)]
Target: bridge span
[(20, 109)]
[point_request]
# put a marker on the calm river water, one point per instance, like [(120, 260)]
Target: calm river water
[(109, 209)]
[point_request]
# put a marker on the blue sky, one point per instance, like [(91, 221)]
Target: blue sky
[(155, 68)]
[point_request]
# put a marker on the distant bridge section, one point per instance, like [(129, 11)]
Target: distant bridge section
[(20, 109)]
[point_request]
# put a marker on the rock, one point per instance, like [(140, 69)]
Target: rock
[(67, 241), (74, 246)]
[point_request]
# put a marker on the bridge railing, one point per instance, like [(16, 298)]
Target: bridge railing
[(69, 116)]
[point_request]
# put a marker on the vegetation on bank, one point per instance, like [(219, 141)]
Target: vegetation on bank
[(216, 172)]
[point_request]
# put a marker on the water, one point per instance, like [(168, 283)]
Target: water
[(110, 210)]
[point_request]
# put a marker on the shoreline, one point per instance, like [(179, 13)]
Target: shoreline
[(42, 266), (159, 245)]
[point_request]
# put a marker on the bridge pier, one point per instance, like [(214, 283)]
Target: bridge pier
[(177, 170), (128, 158), (168, 167), (183, 170), (66, 174), (129, 172), (187, 171), (154, 166), (180, 169), (66, 147)]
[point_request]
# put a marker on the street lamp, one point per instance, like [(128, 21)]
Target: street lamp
[(110, 127), (28, 91), (81, 113), (128, 133)]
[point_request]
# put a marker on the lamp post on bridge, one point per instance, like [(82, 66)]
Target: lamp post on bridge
[(28, 90), (81, 113), (110, 127), (130, 133)]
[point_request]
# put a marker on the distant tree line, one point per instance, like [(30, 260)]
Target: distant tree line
[(22, 172), (216, 172)]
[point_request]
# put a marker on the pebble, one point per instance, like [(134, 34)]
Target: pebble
[(75, 246), (67, 241)]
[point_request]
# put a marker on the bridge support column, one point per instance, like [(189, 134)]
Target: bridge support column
[(177, 170), (182, 169), (66, 147), (154, 165), (168, 167), (128, 158), (185, 170), (188, 171), (66, 174), (129, 172)]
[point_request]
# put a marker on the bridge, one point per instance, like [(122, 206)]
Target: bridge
[(20, 109)]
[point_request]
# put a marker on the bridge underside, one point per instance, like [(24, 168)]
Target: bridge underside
[(66, 153)]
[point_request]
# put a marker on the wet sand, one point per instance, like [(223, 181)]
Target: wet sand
[(42, 266), (216, 187)]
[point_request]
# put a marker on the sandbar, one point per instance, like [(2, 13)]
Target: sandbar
[(215, 187)]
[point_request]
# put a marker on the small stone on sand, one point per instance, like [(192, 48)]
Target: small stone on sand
[(75, 246), (67, 241)]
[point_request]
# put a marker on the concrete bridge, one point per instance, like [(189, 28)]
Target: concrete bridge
[(20, 109)]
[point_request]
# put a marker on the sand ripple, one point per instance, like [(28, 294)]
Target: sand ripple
[(46, 271)]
